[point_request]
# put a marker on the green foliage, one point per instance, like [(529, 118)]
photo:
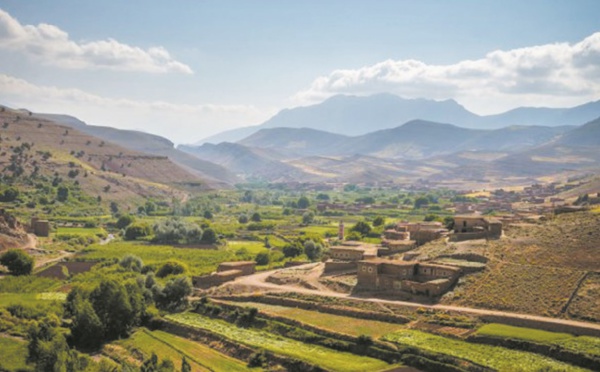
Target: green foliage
[(209, 236), (313, 250), (27, 284), (185, 365), (258, 359), (243, 218), (420, 202), (171, 268), (303, 202), (263, 258), (62, 193), (431, 217), (10, 194), (256, 217), (119, 307), (125, 220), (529, 334), (379, 221), (17, 261), (173, 297), (175, 230), (137, 230), (293, 250), (323, 357), (131, 262), (494, 357), (361, 227), (449, 222), (86, 326), (308, 217)]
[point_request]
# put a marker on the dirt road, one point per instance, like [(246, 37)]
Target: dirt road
[(259, 281)]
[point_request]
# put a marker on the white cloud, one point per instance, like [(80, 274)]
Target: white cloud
[(51, 45), (551, 74), (182, 123)]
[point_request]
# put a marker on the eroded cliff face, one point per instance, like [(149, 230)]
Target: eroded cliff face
[(12, 233)]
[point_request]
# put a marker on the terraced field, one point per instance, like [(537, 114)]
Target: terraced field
[(199, 261), (13, 355), (323, 357), (330, 322), (166, 345), (495, 357)]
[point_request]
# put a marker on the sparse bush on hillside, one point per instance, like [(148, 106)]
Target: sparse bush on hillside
[(125, 220)]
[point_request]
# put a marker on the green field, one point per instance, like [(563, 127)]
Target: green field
[(582, 344), (323, 357), (82, 231), (529, 334), (252, 247), (336, 323), (495, 357), (166, 345), (199, 261), (13, 355), (27, 284)]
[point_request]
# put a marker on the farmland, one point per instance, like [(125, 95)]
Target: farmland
[(317, 355), (535, 335), (495, 357), (336, 323), (14, 355), (166, 345)]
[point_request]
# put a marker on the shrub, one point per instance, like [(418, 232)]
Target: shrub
[(209, 236), (171, 268), (313, 250), (124, 221), (17, 262), (173, 297), (243, 218), (256, 217), (173, 231), (131, 262), (361, 227), (263, 258), (135, 231), (292, 250)]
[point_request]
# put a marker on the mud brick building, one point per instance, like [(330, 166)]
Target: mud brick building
[(413, 277), (467, 227)]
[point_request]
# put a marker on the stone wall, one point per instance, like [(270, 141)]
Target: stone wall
[(332, 266), (461, 237)]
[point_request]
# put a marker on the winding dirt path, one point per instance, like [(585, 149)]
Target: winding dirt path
[(259, 281)]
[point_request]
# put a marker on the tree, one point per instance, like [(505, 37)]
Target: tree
[(125, 220), (303, 202), (262, 258), (62, 193), (209, 236), (208, 215), (131, 262), (361, 227), (135, 231), (173, 296), (378, 221), (118, 307), (171, 268), (292, 250), (10, 194), (114, 207), (308, 217), (256, 217), (243, 218), (431, 217), (17, 262), (421, 202), (86, 326), (449, 222), (185, 365), (322, 196), (313, 250)]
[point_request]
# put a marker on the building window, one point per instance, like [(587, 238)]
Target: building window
[(370, 269), (364, 268)]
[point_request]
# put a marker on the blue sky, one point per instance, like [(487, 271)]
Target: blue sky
[(189, 69)]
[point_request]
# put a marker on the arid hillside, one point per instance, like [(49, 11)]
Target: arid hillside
[(548, 268), (32, 145)]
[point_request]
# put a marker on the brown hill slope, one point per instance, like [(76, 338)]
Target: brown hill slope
[(100, 167)]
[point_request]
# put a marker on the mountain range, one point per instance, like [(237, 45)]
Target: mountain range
[(356, 115)]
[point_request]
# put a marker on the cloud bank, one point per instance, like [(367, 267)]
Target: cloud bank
[(51, 45), (182, 123), (559, 73)]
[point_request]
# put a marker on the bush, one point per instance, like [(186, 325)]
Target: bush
[(209, 236), (174, 231), (171, 268), (263, 258), (256, 217), (362, 228), (313, 250), (125, 221), (308, 217), (292, 250), (17, 262), (173, 297), (135, 230), (243, 218), (131, 262)]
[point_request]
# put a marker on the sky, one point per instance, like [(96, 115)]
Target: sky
[(187, 70)]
